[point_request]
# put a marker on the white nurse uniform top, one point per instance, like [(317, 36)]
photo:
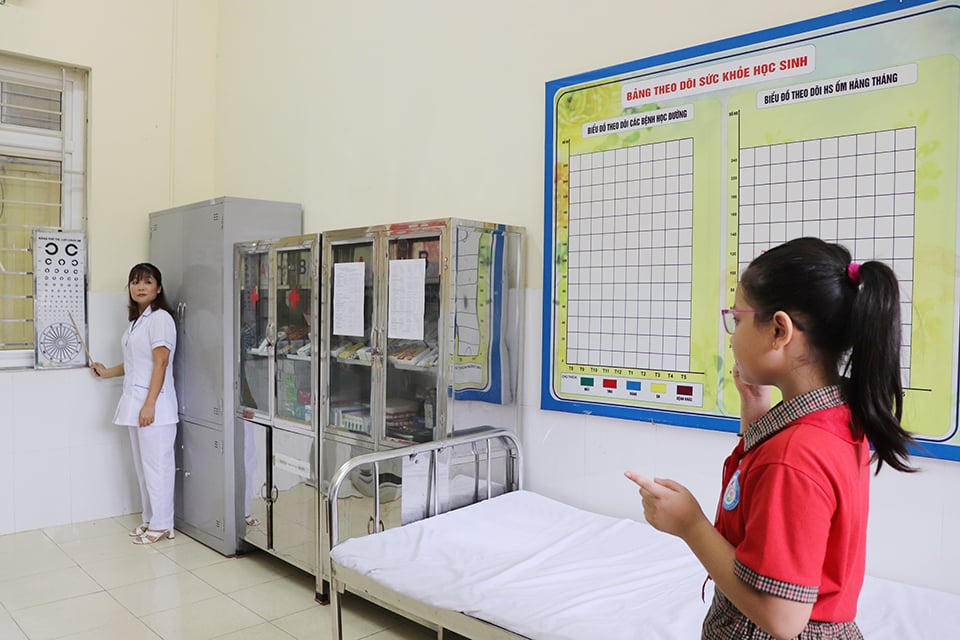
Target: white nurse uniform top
[(151, 330)]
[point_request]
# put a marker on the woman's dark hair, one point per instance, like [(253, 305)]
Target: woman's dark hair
[(136, 273), (851, 317)]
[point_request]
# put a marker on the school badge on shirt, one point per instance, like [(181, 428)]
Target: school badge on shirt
[(731, 496)]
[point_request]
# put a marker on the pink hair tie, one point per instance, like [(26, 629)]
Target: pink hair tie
[(853, 272)]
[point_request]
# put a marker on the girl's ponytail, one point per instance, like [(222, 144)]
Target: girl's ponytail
[(874, 390), (851, 316)]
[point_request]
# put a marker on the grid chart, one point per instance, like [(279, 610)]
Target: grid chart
[(629, 267), (468, 318), (857, 190)]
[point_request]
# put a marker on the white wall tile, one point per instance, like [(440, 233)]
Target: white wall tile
[(42, 486), (7, 508), (94, 425), (8, 425), (36, 408), (104, 484)]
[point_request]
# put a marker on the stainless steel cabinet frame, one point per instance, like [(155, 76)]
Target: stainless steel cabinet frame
[(276, 390), (421, 340)]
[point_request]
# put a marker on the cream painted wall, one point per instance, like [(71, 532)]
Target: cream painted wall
[(379, 111), (152, 100)]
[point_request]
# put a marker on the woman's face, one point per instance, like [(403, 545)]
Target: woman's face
[(144, 290)]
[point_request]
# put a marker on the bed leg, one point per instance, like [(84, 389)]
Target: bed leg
[(335, 613), (323, 596)]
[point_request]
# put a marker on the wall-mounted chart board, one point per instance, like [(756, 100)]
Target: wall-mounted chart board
[(59, 300), (666, 176)]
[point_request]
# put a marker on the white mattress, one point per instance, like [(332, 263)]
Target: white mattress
[(550, 571)]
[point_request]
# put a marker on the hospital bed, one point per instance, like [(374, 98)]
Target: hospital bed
[(520, 565)]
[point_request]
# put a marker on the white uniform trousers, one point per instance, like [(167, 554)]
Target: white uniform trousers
[(153, 461)]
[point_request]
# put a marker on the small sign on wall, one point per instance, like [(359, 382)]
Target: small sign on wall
[(59, 301)]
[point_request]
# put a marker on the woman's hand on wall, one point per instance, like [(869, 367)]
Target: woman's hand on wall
[(101, 371)]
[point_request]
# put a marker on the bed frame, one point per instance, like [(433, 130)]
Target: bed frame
[(646, 583), (480, 441)]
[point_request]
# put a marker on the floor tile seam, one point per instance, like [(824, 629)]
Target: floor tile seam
[(141, 616), (191, 569), (128, 584), (82, 560), (38, 573), (99, 589), (260, 619), (139, 580), (103, 534), (67, 599), (249, 586), (19, 627), (271, 620), (208, 583), (230, 633)]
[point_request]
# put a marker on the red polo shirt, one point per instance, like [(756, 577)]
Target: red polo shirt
[(795, 503)]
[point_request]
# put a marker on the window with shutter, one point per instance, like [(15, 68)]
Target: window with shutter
[(42, 182)]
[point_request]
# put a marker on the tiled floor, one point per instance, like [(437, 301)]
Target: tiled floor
[(88, 582)]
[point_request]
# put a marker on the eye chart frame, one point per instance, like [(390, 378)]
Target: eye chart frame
[(59, 299), (844, 127)]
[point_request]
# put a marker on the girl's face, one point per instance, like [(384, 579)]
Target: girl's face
[(751, 343), (144, 291)]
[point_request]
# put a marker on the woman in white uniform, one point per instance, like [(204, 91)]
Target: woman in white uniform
[(148, 405)]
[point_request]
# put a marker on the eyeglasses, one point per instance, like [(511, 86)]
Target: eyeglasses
[(729, 317)]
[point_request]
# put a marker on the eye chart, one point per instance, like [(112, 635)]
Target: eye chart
[(59, 309), (665, 177)]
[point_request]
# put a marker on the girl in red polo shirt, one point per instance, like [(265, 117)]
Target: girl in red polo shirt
[(787, 548)]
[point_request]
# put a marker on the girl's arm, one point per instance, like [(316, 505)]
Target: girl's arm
[(671, 508), (102, 371), (161, 356)]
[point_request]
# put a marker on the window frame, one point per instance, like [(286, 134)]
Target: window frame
[(67, 146)]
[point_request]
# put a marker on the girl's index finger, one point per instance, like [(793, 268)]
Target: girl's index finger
[(642, 482)]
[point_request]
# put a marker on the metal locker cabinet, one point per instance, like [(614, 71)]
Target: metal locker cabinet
[(166, 246), (200, 316), (193, 247), (200, 489)]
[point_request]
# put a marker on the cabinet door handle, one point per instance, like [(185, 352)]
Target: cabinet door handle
[(263, 491), (186, 474)]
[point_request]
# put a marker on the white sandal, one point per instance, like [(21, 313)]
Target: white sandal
[(149, 536), (140, 530)]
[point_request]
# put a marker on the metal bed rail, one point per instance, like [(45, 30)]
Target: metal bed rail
[(475, 436)]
